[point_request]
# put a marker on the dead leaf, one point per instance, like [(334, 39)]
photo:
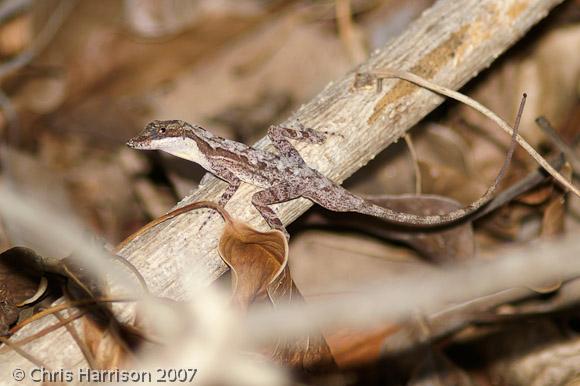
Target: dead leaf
[(553, 220), (17, 284), (537, 196), (310, 353), (355, 347), (259, 264), (15, 35), (8, 310), (109, 340), (256, 259), (104, 348), (443, 180), (553, 226), (539, 353)]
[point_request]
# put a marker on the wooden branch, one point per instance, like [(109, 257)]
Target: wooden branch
[(449, 44)]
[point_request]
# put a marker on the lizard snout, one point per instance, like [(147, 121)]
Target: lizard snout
[(131, 144), (138, 142)]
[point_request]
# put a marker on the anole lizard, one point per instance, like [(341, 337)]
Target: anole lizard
[(283, 176)]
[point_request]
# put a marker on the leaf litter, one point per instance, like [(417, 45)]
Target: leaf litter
[(222, 80)]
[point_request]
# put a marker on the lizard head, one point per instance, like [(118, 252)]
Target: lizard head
[(158, 135), (174, 137)]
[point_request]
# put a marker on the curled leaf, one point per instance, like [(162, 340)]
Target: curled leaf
[(258, 261), (42, 287), (19, 282), (260, 272)]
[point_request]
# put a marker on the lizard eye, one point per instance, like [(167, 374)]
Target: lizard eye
[(162, 130)]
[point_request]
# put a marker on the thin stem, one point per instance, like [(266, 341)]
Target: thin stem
[(82, 345), (389, 73), (16, 347)]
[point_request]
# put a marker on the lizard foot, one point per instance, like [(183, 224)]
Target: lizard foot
[(317, 137), (320, 135), (331, 133)]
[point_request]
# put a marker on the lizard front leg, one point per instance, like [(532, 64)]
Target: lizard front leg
[(234, 184), (274, 195), (229, 192), (279, 137)]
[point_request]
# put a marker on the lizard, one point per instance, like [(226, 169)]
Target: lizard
[(284, 175)]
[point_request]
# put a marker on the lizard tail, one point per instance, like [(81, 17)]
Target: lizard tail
[(348, 202), (458, 214)]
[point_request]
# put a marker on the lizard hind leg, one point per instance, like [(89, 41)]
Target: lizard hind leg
[(276, 194), (337, 199)]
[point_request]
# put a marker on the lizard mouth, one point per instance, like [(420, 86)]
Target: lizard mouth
[(137, 143)]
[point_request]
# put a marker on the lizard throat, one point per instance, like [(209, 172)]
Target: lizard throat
[(185, 148)]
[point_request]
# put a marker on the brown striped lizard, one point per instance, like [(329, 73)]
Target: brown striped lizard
[(284, 176)]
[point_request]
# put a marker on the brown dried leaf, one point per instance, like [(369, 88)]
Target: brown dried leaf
[(108, 341), (553, 226), (257, 260), (355, 347), (537, 196), (15, 35), (553, 220), (104, 347), (259, 264), (441, 179), (538, 353), (17, 284), (310, 353), (8, 310)]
